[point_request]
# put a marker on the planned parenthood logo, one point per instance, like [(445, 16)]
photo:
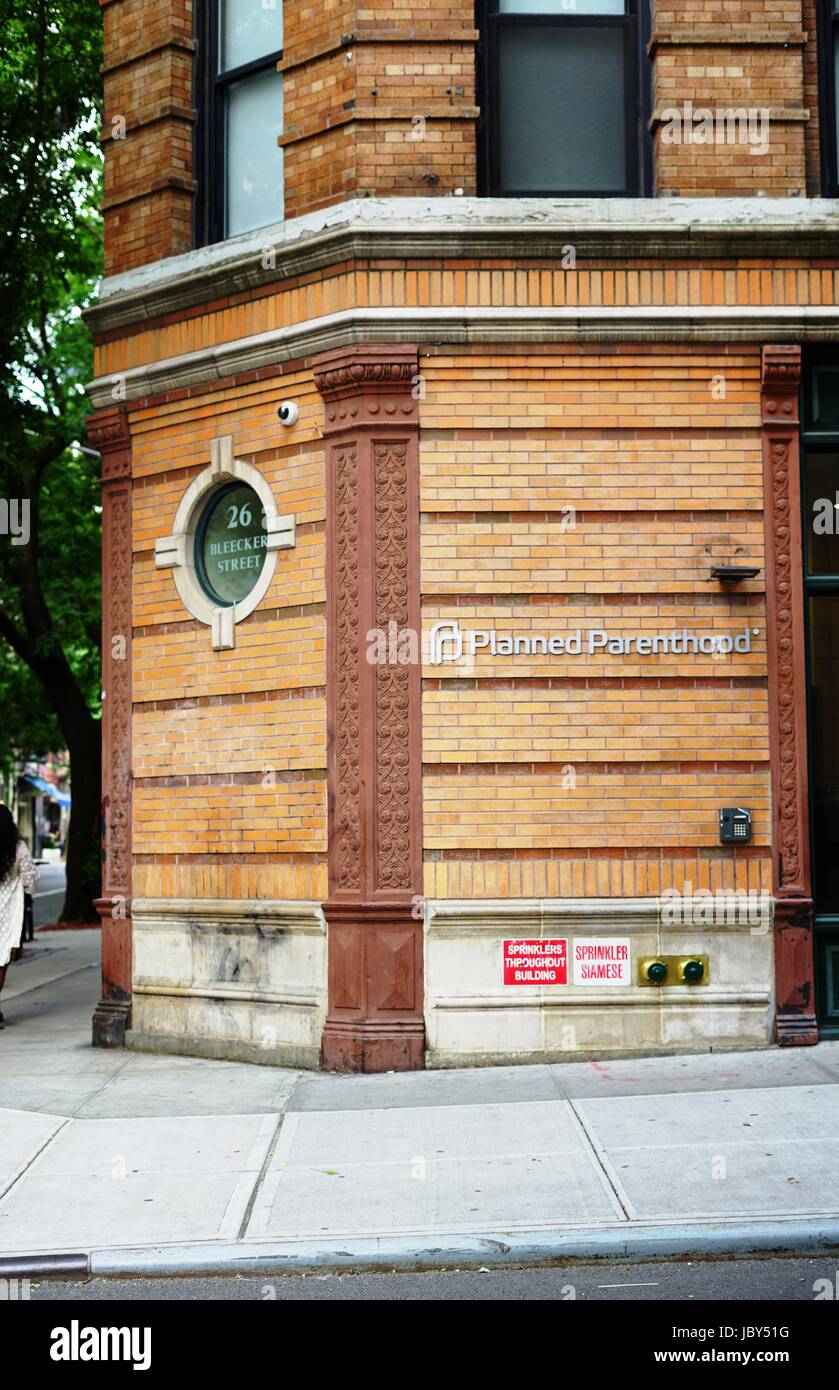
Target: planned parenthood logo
[(449, 642)]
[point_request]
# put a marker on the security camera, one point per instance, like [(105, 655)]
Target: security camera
[(289, 413)]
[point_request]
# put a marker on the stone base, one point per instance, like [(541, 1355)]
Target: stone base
[(796, 1032), (373, 1047), (240, 981), (224, 1050), (473, 1019), (110, 1022), (375, 1018), (441, 1061)]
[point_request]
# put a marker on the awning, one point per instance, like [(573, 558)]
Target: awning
[(47, 789)]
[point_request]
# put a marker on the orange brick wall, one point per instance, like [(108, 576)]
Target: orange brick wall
[(229, 748), (559, 776), (480, 283), (661, 473)]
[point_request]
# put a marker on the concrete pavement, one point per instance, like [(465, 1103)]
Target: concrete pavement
[(141, 1163)]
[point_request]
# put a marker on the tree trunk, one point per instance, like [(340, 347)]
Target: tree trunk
[(43, 652), (84, 854)]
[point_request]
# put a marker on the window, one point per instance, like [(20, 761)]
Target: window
[(563, 91), (231, 544), (239, 165), (224, 543), (820, 534), (829, 95)]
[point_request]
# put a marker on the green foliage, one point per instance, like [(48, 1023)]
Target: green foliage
[(50, 177), (30, 730), (50, 262)]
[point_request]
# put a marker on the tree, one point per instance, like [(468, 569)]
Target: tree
[(30, 729), (50, 263)]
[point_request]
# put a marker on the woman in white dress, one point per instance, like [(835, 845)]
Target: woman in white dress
[(17, 875)]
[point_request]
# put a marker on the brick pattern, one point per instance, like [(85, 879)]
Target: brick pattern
[(672, 808), (382, 101), (267, 734), (230, 747), (593, 876), (148, 159), (567, 724), (235, 876), (239, 820), (527, 554), (377, 101), (474, 284), (557, 775), (747, 55), (812, 133)]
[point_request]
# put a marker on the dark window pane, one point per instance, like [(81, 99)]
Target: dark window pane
[(231, 544), (825, 405), (836, 77), (561, 104), (831, 974), (824, 736), (821, 513)]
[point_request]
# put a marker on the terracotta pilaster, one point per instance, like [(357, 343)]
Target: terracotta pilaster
[(794, 967), (375, 1014), (108, 432)]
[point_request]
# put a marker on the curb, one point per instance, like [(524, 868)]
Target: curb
[(44, 1266), (431, 1252)]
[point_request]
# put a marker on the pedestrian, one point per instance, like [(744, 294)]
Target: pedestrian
[(17, 876)]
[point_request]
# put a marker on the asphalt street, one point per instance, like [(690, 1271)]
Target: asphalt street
[(49, 895), (769, 1280)]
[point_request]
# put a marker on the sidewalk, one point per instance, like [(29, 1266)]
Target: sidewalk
[(137, 1163)]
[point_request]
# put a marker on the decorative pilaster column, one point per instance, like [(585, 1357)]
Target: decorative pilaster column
[(375, 1012), (794, 965), (108, 432)]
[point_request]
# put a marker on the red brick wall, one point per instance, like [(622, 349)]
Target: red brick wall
[(147, 131), (812, 130), (381, 100), (745, 54)]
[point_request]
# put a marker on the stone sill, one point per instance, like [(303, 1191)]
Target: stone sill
[(468, 227)]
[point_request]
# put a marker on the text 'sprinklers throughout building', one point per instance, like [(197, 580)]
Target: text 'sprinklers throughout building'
[(468, 400)]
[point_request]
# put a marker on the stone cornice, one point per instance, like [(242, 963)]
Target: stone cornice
[(175, 43), (232, 912), (434, 229), (715, 36), (414, 36), (780, 383), (462, 326), (109, 434), (371, 111), (365, 371), (492, 917)]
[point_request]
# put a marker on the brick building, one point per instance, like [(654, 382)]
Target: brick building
[(513, 328)]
